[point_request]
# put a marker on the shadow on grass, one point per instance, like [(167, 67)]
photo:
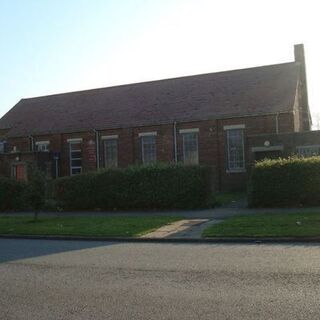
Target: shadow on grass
[(16, 249)]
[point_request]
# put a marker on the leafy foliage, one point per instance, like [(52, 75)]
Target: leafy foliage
[(11, 194), (35, 193), (289, 182), (138, 187)]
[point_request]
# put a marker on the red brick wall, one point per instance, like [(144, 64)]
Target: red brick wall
[(253, 125), (164, 142), (88, 155), (212, 144), (125, 146), (55, 141), (289, 141), (21, 144)]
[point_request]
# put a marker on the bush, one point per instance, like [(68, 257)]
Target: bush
[(139, 187), (285, 183), (11, 194), (35, 192)]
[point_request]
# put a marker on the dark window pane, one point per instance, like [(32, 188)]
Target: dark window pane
[(76, 163), (75, 170), (148, 144), (76, 154), (235, 149), (190, 148), (111, 152), (75, 146)]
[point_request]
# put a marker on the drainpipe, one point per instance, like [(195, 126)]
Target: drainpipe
[(31, 143), (175, 142), (277, 123), (219, 168), (97, 148)]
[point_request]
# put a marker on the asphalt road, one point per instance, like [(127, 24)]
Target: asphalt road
[(95, 280)]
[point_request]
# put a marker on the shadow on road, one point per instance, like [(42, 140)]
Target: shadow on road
[(16, 249)]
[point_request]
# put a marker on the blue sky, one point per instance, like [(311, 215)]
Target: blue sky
[(58, 46)]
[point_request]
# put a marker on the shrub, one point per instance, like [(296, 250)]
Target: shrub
[(11, 194), (35, 192), (285, 183), (139, 187)]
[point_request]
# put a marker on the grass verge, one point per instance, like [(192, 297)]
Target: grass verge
[(83, 226), (267, 225)]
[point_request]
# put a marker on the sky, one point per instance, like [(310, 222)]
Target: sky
[(49, 47)]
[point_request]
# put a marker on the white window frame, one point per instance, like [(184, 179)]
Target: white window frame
[(105, 140), (184, 133), (39, 145), (228, 129), (147, 134), (74, 141), (234, 126), (315, 146), (110, 137), (193, 130), (142, 135)]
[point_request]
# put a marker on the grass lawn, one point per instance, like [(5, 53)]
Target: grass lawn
[(83, 226), (267, 225)]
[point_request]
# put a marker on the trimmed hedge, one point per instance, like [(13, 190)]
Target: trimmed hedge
[(11, 194), (139, 187), (289, 182)]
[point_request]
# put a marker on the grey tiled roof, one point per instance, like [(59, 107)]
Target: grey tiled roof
[(260, 90)]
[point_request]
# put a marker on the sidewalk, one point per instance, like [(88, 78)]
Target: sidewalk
[(174, 229), (213, 213)]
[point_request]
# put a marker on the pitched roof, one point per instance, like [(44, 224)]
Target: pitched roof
[(259, 90)]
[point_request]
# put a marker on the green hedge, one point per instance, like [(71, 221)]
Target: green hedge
[(139, 187), (289, 182), (11, 194)]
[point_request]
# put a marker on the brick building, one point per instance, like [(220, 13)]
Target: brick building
[(210, 119)]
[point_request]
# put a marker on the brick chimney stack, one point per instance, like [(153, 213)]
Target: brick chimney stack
[(304, 104)]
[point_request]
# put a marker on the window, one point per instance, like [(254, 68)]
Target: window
[(75, 156), (2, 146), (190, 146), (235, 145), (308, 151), (148, 147), (111, 153), (42, 146)]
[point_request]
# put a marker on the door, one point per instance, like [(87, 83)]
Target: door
[(19, 171)]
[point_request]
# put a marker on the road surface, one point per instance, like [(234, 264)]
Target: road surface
[(42, 279)]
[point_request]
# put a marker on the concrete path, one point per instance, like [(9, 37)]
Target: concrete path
[(194, 232), (170, 230), (182, 229)]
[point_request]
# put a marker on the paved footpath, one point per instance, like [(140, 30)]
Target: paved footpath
[(182, 229), (78, 280), (177, 227), (213, 213)]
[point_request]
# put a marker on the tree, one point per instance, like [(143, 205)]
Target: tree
[(36, 191)]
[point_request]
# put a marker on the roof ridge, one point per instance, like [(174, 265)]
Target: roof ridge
[(94, 90)]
